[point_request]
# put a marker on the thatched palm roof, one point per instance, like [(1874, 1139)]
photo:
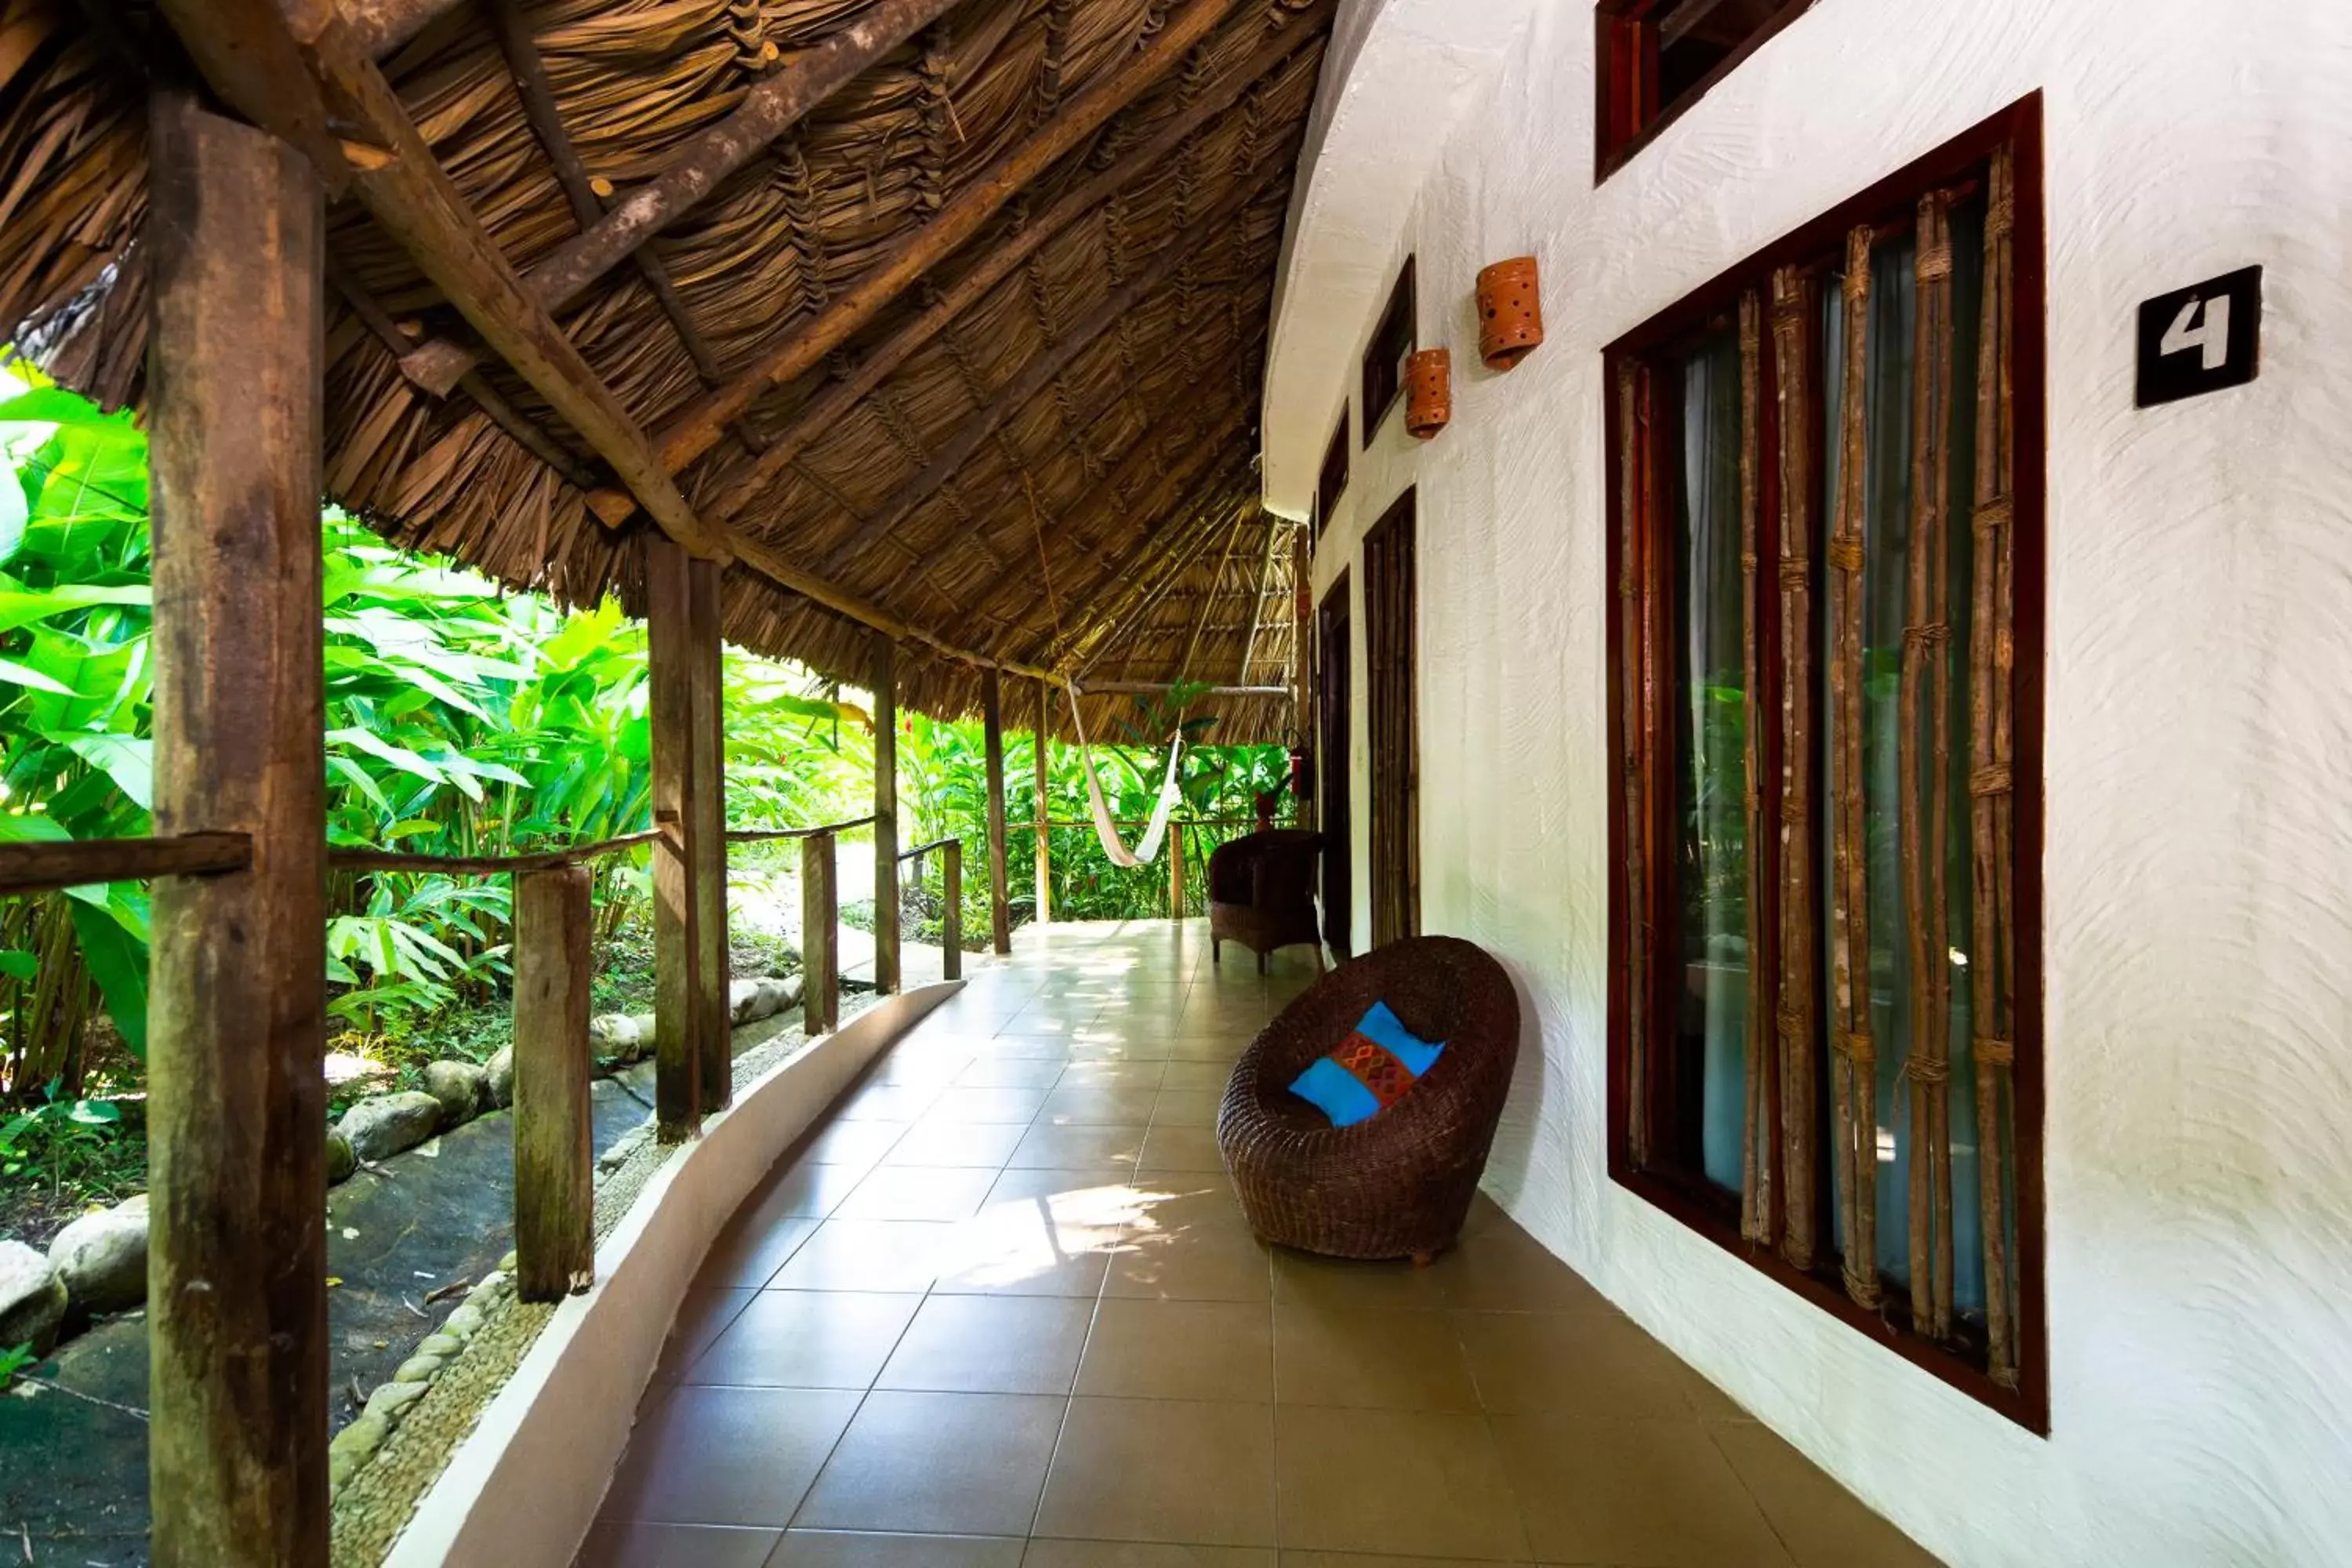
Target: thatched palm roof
[(972, 346)]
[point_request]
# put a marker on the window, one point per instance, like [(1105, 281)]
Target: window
[(1384, 358), (1825, 1019), (1657, 57), (1393, 723), (1332, 482)]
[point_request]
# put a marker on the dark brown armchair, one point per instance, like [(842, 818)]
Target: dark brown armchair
[(1262, 893)]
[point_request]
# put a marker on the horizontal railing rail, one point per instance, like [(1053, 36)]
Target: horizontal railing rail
[(50, 865)]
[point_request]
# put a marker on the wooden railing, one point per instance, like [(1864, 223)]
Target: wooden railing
[(950, 854), (553, 957)]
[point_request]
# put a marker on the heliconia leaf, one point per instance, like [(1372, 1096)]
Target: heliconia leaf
[(117, 962), (130, 762)]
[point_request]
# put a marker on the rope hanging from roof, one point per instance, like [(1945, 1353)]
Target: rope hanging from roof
[(1156, 829)]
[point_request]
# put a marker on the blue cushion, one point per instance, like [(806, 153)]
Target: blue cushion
[(1372, 1069)]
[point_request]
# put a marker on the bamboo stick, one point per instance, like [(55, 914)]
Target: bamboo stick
[(1923, 766), (1793, 316), (1040, 762), (1853, 1075), (1633, 439), (1756, 1132), (1991, 762)]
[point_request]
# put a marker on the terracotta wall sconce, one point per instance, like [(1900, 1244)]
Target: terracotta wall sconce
[(1428, 393), (1510, 313)]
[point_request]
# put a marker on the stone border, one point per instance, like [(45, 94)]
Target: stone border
[(524, 1488)]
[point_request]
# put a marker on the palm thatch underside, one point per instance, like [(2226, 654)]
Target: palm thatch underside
[(976, 343)]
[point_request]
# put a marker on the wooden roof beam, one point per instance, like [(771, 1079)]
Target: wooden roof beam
[(380, 26), (1201, 448), (1140, 566), (1034, 381), (696, 429), (777, 104), (830, 406), (271, 66)]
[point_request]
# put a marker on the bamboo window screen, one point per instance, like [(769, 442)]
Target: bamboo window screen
[(1808, 986)]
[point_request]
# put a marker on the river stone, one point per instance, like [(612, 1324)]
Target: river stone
[(420, 1368), (32, 1299), (742, 997), (102, 1258), (443, 1345), (341, 1159), (391, 1400), (384, 1124), (463, 1089), (465, 1322), (501, 1071)]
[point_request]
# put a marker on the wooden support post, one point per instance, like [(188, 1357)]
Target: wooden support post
[(1175, 871), (999, 893), (679, 1016), (555, 1160), (1302, 660), (707, 839), (886, 816), (952, 909), (1044, 833), (237, 1101), (820, 935)]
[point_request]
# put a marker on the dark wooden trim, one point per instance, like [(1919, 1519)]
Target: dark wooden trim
[(1392, 678), (46, 867), (1331, 480), (1335, 773), (1627, 116), (1394, 337), (2020, 128)]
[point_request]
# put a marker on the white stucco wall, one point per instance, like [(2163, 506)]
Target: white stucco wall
[(2198, 922)]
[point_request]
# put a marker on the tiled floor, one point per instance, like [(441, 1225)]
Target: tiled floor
[(1003, 1310)]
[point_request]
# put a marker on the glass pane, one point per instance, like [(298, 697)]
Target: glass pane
[(1887, 566), (1711, 782)]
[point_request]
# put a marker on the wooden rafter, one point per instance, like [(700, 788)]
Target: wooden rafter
[(767, 112), (1152, 561), (1007, 401), (692, 434), (257, 60), (1191, 536)]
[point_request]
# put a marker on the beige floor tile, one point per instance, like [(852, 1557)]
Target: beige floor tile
[(1820, 1523), (1162, 1470), (750, 1250), (1116, 1045), (1419, 1482), (1207, 1076), (918, 1191), (858, 1548), (1378, 1357), (1292, 1558), (806, 1339), (1090, 1195), (728, 1456), (968, 1143), (1187, 1107), (868, 1254), (1012, 1072), (1069, 1148), (1020, 1249), (1180, 1350), (1112, 1075), (1098, 1107), (1053, 1048), (1142, 1554), (852, 1142), (888, 1102), (1173, 1148), (1175, 1201), (804, 1190), (612, 1544), (1650, 1492), (1206, 1264), (937, 1464), (991, 1344), (1222, 1045), (911, 1067), (1576, 1364), (1304, 1278), (1507, 1271), (959, 1103), (701, 1318)]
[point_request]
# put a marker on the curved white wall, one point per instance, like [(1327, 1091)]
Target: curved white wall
[(2197, 934)]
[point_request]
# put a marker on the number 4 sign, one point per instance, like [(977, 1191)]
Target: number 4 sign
[(2201, 339)]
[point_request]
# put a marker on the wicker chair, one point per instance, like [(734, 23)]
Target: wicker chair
[(1262, 893), (1398, 1184)]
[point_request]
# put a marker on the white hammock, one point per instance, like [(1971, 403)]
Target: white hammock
[(1145, 852)]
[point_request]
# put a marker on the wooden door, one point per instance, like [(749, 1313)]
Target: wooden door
[(1392, 713), (1333, 773)]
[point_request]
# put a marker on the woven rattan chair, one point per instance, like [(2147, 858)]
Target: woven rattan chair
[(1262, 893), (1400, 1184)]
